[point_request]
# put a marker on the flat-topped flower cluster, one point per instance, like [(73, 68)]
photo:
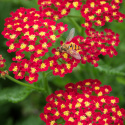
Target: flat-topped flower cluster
[(83, 103), (31, 33), (98, 12), (56, 9)]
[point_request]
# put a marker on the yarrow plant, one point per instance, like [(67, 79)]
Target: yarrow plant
[(35, 37), (30, 36), (83, 103)]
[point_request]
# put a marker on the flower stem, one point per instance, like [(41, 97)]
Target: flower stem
[(75, 24), (48, 73), (24, 84), (73, 16), (45, 83)]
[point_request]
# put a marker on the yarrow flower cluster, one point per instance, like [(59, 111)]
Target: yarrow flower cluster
[(31, 33), (56, 9), (30, 36), (2, 65), (92, 46), (83, 103), (94, 11), (98, 12)]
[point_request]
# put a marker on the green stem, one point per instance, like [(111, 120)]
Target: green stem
[(61, 61), (24, 84), (89, 70), (75, 24), (45, 83), (82, 32), (49, 72), (83, 29), (74, 16)]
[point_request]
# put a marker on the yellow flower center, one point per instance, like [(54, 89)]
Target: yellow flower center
[(23, 45), (42, 65), (92, 4), (71, 119), (19, 29), (13, 36), (66, 113), (53, 37), (89, 113), (53, 27), (63, 12), (39, 51), (32, 37), (31, 47), (75, 4), (11, 46), (35, 26), (15, 68), (33, 70), (31, 78), (48, 13)]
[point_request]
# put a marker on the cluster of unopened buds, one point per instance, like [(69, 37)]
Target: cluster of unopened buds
[(83, 103), (2, 65)]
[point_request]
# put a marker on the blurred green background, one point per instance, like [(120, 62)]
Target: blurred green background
[(22, 106)]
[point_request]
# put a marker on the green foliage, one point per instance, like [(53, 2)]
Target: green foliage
[(121, 80), (14, 94), (31, 120), (110, 70)]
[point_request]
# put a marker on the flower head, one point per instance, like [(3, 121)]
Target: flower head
[(56, 9), (83, 103), (101, 11), (31, 33), (30, 36), (90, 48)]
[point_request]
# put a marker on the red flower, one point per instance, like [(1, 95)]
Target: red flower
[(32, 78), (19, 75), (80, 104), (44, 65), (19, 56), (15, 67)]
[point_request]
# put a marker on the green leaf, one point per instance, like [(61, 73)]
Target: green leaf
[(109, 70), (14, 94), (120, 80), (31, 120)]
